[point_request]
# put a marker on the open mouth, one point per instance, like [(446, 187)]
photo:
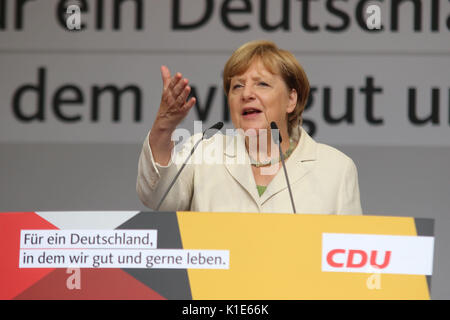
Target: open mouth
[(250, 111)]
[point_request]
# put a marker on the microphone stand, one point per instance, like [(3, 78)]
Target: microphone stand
[(274, 126), (217, 126)]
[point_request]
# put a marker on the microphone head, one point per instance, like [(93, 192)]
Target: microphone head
[(274, 126), (217, 126), (213, 130)]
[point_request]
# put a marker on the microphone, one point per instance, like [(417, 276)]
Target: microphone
[(277, 139), (215, 127)]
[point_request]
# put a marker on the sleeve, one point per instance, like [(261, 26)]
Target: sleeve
[(349, 202), (153, 180)]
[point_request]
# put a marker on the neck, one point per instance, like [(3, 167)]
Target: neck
[(262, 148)]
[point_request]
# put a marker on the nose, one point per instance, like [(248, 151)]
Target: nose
[(248, 93)]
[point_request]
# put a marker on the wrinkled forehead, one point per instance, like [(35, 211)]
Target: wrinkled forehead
[(262, 64), (254, 72)]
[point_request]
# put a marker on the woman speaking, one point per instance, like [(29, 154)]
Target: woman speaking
[(265, 87)]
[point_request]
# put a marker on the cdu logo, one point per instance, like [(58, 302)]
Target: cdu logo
[(339, 258), (363, 253)]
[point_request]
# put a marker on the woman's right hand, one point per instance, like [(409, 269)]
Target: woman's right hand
[(172, 110), (174, 107)]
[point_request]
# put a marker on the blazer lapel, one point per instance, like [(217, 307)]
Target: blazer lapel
[(296, 166), (237, 163)]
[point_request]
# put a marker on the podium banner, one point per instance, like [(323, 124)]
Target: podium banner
[(199, 255)]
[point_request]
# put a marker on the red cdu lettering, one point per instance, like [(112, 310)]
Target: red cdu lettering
[(373, 259), (330, 256), (350, 260)]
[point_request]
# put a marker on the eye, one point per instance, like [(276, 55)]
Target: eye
[(236, 86), (264, 84)]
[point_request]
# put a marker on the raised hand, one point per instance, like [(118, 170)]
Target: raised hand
[(174, 107), (172, 110)]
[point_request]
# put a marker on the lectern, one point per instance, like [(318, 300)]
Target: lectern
[(210, 255)]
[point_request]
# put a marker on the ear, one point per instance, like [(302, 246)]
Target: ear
[(292, 101)]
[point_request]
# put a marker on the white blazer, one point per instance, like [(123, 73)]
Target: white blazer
[(323, 180)]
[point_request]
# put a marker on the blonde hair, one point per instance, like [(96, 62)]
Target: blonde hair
[(277, 61)]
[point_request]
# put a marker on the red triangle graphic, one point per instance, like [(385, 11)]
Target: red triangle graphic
[(14, 280), (94, 284)]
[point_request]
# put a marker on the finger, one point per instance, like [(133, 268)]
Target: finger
[(179, 87), (181, 99), (175, 80), (169, 100), (165, 75), (188, 105)]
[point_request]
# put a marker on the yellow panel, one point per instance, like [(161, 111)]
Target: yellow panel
[(275, 256)]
